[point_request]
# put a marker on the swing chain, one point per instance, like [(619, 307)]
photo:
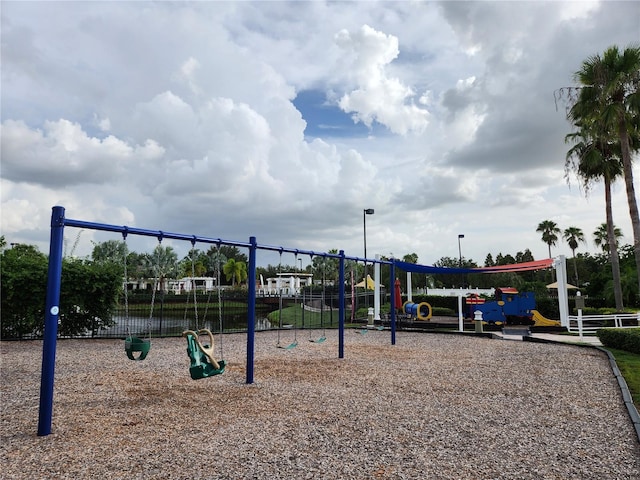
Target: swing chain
[(126, 283), (221, 325), (193, 283), (156, 282)]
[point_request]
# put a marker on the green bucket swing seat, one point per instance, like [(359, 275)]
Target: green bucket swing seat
[(135, 345)]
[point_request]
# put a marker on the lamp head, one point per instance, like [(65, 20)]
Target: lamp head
[(368, 211)]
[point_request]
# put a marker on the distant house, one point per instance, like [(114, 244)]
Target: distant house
[(285, 283), (180, 286), (187, 284)]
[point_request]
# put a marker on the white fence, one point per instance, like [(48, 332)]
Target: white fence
[(589, 324)]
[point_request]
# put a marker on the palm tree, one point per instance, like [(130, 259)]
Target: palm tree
[(234, 269), (593, 158), (573, 236), (600, 237), (215, 262), (163, 263), (550, 231), (109, 251), (609, 99)]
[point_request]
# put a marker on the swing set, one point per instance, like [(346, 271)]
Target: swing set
[(200, 342)]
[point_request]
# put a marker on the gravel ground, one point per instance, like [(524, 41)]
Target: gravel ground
[(431, 407)]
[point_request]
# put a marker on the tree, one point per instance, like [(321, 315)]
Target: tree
[(410, 258), (215, 261), (230, 251), (162, 264), (609, 101), (194, 264), (610, 246), (235, 270), (550, 231), (23, 273), (524, 257), (450, 280), (594, 157), (600, 237), (574, 236), (505, 259), (488, 261), (88, 293), (109, 251)]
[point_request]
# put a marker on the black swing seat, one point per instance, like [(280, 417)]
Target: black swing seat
[(203, 364), (133, 345)]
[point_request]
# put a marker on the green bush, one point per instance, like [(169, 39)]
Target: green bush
[(627, 339), (23, 275), (450, 303), (442, 311), (88, 294)]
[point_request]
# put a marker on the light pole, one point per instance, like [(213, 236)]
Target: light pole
[(366, 211), (460, 235)]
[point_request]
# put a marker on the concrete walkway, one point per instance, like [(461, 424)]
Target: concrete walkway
[(590, 339), (572, 339)]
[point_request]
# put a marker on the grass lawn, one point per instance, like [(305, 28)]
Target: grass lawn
[(629, 365)]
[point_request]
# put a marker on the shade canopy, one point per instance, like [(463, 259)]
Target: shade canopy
[(516, 267), (555, 285), (371, 285)]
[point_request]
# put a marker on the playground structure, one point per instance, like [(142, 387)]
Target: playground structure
[(558, 263), (509, 307), (420, 311), (200, 359)]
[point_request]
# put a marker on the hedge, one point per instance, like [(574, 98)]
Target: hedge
[(627, 339)]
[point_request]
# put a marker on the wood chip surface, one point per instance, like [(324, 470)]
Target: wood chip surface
[(434, 406)]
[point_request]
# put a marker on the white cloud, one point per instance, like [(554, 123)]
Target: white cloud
[(62, 154), (378, 97), (195, 131)]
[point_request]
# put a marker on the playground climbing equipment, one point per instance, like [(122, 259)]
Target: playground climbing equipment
[(421, 311)]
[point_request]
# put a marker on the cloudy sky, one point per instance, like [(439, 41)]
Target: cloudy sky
[(285, 120)]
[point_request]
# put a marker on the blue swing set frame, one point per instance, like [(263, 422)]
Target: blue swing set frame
[(199, 360)]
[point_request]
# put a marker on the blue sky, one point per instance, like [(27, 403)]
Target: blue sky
[(325, 119), (284, 120)]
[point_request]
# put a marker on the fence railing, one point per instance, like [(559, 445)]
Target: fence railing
[(589, 324), (170, 315)]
